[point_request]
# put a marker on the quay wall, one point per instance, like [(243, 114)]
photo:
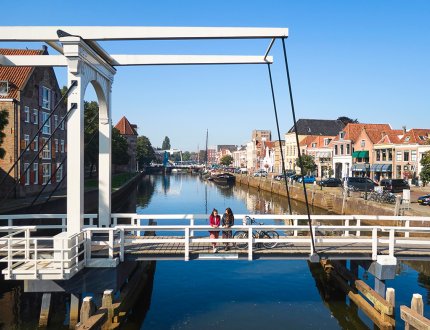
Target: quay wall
[(317, 197)]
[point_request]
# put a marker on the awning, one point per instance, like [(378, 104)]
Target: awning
[(360, 154), (387, 168), (358, 168), (376, 168)]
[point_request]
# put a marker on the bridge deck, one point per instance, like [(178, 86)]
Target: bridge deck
[(295, 248)]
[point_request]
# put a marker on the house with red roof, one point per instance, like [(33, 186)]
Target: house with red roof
[(29, 95), (129, 132), (319, 147)]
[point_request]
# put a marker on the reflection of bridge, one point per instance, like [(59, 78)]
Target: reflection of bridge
[(28, 255)]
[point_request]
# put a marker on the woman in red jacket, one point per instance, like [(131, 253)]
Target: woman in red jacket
[(214, 221)]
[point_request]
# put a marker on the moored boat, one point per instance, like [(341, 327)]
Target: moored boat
[(224, 178)]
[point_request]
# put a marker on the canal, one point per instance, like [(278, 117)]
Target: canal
[(226, 294)]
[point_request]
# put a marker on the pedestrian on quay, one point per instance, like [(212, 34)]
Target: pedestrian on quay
[(214, 221), (227, 222)]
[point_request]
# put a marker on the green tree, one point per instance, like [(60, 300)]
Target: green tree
[(308, 164), (346, 120), (226, 160), (186, 156), (144, 152), (166, 144), (91, 135), (3, 123), (119, 148), (425, 172)]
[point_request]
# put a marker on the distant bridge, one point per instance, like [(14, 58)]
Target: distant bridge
[(28, 255)]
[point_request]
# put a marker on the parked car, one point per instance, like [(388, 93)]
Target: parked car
[(330, 182), (295, 177), (360, 184), (307, 179), (288, 173), (424, 200), (261, 173), (394, 185)]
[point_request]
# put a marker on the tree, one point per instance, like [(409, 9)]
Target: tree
[(119, 148), (425, 172), (226, 160), (346, 120), (308, 164), (91, 135), (166, 144), (3, 123), (145, 154), (186, 156)]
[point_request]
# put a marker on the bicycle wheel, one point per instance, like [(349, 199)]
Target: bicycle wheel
[(241, 235), (270, 234)]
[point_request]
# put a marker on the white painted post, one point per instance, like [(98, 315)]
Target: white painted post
[(35, 258), (63, 224), (187, 243), (121, 248), (346, 225), (296, 223), (358, 232), (250, 239), (111, 243), (88, 237), (27, 244), (10, 222), (407, 225), (374, 243), (310, 240), (391, 243), (115, 221), (192, 224)]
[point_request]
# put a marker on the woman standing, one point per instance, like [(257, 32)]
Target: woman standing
[(214, 221), (227, 222)]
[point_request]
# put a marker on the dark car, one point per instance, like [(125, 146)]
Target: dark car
[(394, 185), (424, 200), (288, 174), (330, 182), (360, 184)]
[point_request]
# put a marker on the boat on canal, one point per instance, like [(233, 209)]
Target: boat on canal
[(224, 178)]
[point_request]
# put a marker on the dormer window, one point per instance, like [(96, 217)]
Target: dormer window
[(341, 135), (363, 143), (314, 145), (407, 138), (4, 88), (327, 141)]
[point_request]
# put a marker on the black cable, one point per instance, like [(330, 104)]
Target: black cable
[(279, 139), (73, 84), (298, 144)]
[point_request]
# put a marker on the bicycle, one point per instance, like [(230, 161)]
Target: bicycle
[(258, 234)]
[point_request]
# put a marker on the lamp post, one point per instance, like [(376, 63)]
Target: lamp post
[(366, 177)]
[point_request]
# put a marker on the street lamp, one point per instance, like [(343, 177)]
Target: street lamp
[(366, 165)]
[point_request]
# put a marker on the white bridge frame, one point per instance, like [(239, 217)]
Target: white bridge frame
[(88, 63)]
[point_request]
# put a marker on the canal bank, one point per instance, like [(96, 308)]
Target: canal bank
[(330, 199)]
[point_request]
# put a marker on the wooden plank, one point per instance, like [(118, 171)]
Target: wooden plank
[(378, 302), (413, 318), (94, 322)]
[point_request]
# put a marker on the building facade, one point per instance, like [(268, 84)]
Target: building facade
[(129, 132)]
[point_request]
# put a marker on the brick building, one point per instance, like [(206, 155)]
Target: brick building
[(128, 131), (29, 95)]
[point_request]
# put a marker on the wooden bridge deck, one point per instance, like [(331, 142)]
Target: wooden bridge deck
[(295, 248)]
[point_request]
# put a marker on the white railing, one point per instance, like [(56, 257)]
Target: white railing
[(58, 221)]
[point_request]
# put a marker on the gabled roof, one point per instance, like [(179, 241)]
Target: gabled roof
[(416, 135), (319, 140), (230, 147), (125, 128), (392, 137), (17, 76), (352, 131), (318, 127)]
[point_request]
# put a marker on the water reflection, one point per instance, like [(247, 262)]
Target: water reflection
[(145, 191)]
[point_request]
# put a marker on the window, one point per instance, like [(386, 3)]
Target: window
[(36, 173), (348, 151), (327, 141), (59, 174), (62, 146), (46, 152), (56, 145), (26, 140), (341, 149), (35, 116), (406, 156), (27, 174), (46, 173), (27, 114), (378, 155), (55, 121), (341, 135), (414, 155), (363, 143), (36, 143), (407, 138), (384, 155), (390, 154), (314, 145), (46, 98), (399, 156), (335, 149), (47, 127), (62, 123)]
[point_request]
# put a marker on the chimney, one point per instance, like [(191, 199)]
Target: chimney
[(404, 129)]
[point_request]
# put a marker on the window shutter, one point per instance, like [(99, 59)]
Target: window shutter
[(53, 177), (40, 96), (40, 174)]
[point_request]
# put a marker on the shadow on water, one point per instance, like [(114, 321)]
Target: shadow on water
[(145, 191), (335, 299)]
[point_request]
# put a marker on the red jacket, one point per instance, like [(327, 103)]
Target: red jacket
[(214, 221)]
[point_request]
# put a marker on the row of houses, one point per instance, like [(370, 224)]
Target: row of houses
[(356, 149), (29, 96)]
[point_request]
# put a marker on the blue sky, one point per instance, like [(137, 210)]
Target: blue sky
[(368, 60)]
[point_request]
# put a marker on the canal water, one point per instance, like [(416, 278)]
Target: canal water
[(262, 294)]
